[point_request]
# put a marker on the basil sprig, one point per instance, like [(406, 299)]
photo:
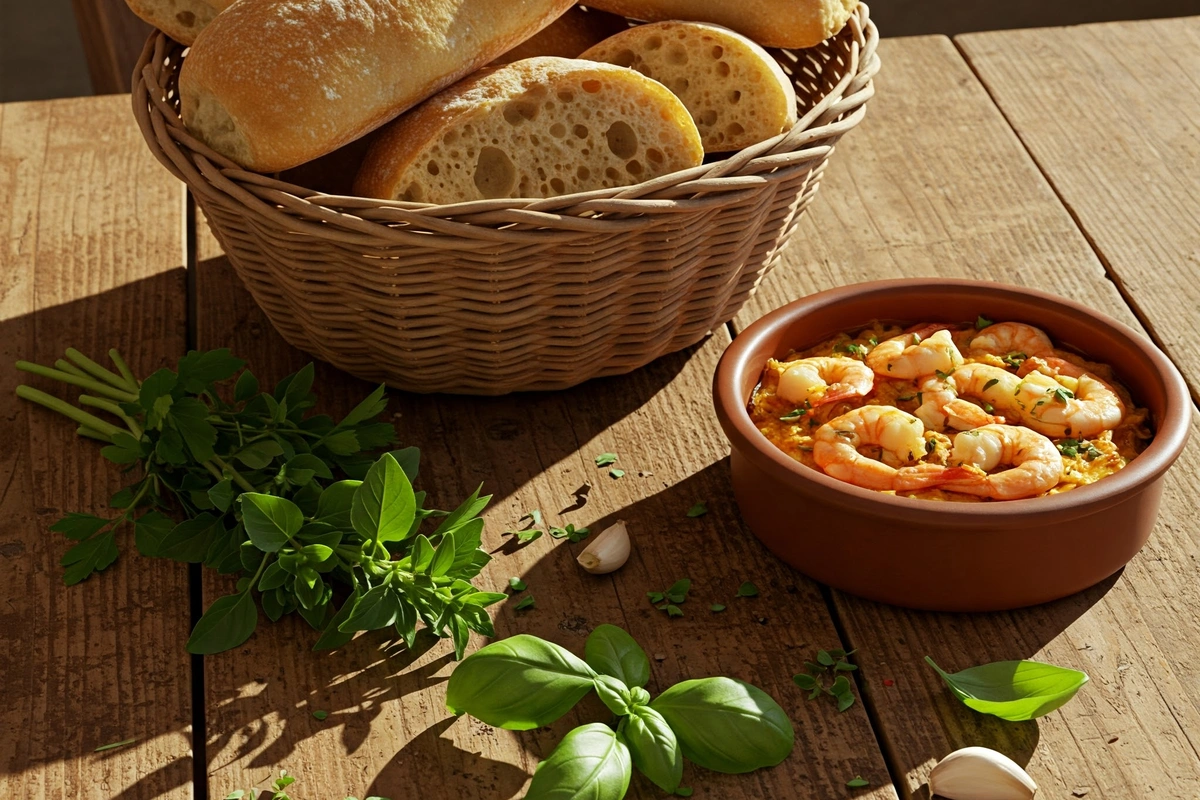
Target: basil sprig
[(256, 481), (1013, 690), (524, 682)]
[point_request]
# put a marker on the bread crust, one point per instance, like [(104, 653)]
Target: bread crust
[(771, 23), (549, 123), (275, 83), (182, 20), (568, 36), (735, 91)]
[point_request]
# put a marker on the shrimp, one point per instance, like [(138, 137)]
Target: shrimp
[(900, 436), (912, 355), (822, 380), (1035, 463), (1051, 408), (942, 404), (1006, 338)]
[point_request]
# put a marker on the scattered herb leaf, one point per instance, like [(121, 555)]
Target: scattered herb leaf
[(527, 602), (982, 322), (570, 533), (747, 589), (606, 459), (320, 715), (1013, 690), (516, 584), (698, 510), (115, 745), (858, 781), (616, 473), (716, 608)]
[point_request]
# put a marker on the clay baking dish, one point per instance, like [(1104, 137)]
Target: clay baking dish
[(948, 556)]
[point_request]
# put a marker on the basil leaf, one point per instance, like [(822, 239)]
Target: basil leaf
[(409, 458), (227, 623), (612, 651), (590, 763), (470, 508), (518, 683), (726, 725), (384, 506), (334, 506), (1014, 690), (332, 638), (613, 693), (376, 609), (654, 748), (270, 521)]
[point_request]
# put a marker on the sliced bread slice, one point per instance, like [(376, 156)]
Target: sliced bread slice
[(736, 92), (541, 127)]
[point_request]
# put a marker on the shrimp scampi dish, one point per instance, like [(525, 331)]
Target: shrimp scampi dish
[(968, 413)]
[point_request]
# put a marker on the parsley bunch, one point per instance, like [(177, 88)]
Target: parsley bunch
[(290, 501)]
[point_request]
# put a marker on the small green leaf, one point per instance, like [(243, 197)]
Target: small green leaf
[(227, 623), (616, 473), (79, 526), (527, 602), (1014, 690), (270, 521), (805, 681), (858, 781), (384, 506), (982, 322), (516, 584), (372, 406), (260, 454), (115, 745), (245, 388), (320, 715), (698, 510), (334, 506), (683, 791), (747, 589), (716, 608), (653, 747), (92, 555), (149, 531), (824, 659), (606, 459)]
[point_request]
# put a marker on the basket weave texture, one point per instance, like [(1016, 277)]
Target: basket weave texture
[(497, 296)]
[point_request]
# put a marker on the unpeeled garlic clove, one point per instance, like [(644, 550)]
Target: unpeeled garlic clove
[(608, 552), (980, 773)]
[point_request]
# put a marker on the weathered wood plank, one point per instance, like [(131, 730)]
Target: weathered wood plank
[(92, 257), (1109, 114), (935, 183), (388, 732)]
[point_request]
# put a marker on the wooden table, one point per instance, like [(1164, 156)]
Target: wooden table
[(1066, 159)]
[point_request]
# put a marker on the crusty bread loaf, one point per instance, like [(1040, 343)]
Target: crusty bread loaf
[(537, 128), (771, 23), (274, 83), (182, 20), (737, 94), (568, 36)]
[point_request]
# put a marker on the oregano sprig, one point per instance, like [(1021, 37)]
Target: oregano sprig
[(294, 503)]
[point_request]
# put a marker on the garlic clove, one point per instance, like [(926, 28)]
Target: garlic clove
[(980, 773), (608, 552)]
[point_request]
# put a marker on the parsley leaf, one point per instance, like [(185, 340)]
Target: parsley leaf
[(605, 459), (698, 510)]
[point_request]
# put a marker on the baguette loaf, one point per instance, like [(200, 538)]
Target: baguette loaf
[(537, 128), (771, 23), (568, 36), (737, 94), (275, 83), (182, 20)]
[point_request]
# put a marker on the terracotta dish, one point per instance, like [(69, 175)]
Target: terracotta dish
[(948, 556)]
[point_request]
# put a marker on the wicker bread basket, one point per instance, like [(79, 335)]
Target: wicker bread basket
[(497, 296)]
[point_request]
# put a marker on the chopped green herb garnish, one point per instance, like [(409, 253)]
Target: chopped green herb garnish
[(532, 531), (1014, 360), (516, 584), (792, 415), (528, 602), (990, 383), (1062, 395), (320, 716), (605, 459), (853, 348), (570, 533), (982, 322), (859, 782), (616, 473), (716, 608), (874, 341), (698, 510), (988, 407), (828, 666), (747, 589)]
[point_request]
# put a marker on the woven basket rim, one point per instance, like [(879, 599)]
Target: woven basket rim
[(583, 213)]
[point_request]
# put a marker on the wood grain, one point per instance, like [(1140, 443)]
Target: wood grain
[(1109, 114), (388, 732), (91, 258), (936, 183)]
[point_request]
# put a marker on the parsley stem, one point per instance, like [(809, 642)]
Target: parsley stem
[(115, 410), (67, 366), (75, 380), (216, 473), (87, 432), (67, 410), (97, 371), (234, 474), (123, 368)]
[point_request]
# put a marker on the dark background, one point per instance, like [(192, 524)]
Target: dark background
[(42, 52)]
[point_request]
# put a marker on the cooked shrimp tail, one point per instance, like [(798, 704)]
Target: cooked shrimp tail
[(1035, 465), (915, 354), (899, 436), (1007, 338)]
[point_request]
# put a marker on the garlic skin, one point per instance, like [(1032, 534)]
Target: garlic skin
[(980, 773), (608, 552)]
